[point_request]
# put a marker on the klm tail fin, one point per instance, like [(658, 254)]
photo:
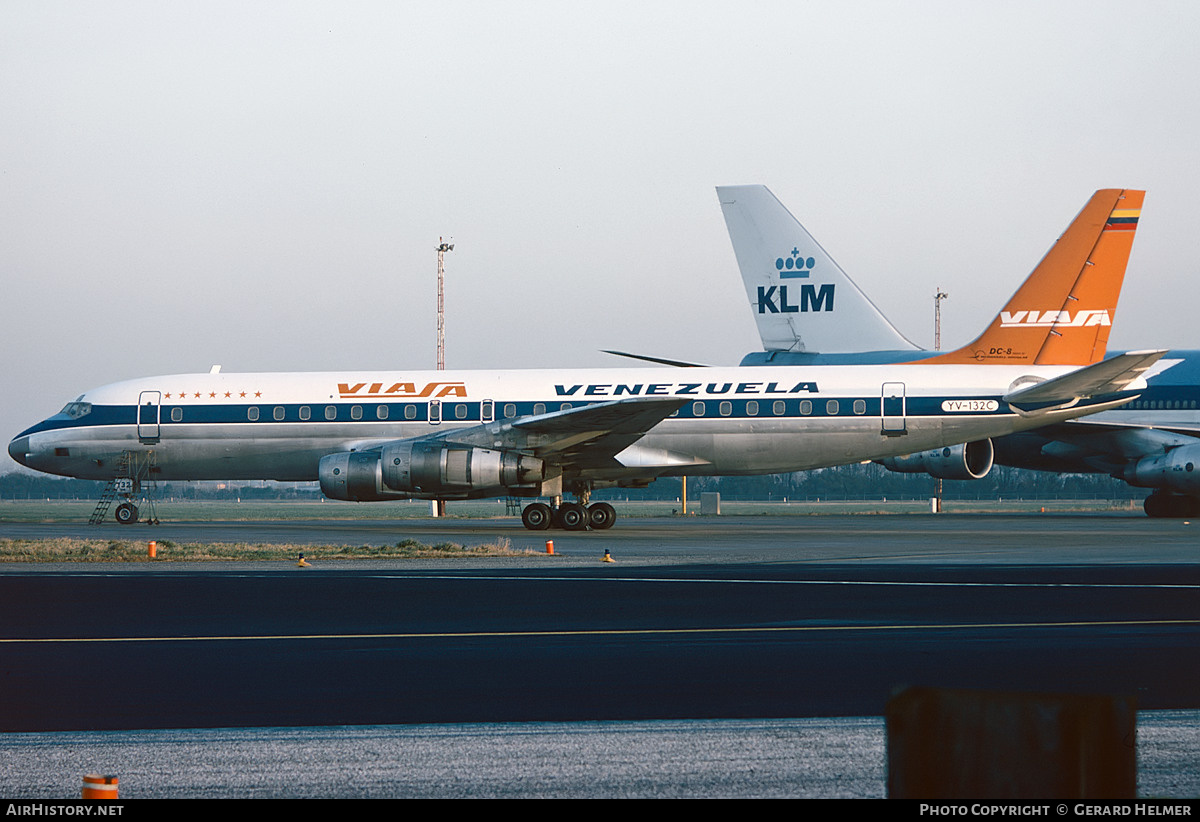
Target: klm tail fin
[(1063, 312), (801, 299)]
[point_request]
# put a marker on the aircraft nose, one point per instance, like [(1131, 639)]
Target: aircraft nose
[(18, 449)]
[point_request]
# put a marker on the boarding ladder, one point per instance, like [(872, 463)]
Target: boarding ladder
[(121, 480), (130, 475)]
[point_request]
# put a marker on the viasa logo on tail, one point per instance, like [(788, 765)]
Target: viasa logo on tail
[(1056, 317)]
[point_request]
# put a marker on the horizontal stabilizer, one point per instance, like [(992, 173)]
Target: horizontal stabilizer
[(659, 360), (1111, 376)]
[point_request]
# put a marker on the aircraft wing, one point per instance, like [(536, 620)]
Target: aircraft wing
[(1107, 377), (1089, 447), (590, 434), (1180, 428)]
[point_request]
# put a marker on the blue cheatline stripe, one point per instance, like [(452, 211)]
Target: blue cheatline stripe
[(469, 412)]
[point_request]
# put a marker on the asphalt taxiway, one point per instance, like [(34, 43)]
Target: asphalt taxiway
[(778, 617), (761, 617)]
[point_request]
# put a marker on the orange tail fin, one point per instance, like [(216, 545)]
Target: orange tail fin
[(1062, 314)]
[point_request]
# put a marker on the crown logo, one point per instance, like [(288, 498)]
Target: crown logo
[(795, 265)]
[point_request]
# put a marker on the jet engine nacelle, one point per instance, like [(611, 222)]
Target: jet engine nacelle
[(355, 476), (435, 467), (1177, 470), (971, 460), (434, 470)]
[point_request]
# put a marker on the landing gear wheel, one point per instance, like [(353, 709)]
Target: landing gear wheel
[(602, 515), (1171, 506), (1154, 506), (126, 513), (537, 516), (573, 516)]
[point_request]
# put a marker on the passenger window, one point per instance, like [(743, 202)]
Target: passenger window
[(860, 406), (279, 412), (356, 412), (752, 408), (779, 407), (252, 413), (832, 408), (381, 412), (410, 412), (725, 408), (806, 407), (510, 410), (305, 412), (330, 412), (698, 409)]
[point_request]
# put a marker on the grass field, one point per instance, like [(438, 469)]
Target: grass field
[(135, 550), (131, 546)]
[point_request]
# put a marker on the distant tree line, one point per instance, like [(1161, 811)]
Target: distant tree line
[(844, 482), (29, 486), (872, 481)]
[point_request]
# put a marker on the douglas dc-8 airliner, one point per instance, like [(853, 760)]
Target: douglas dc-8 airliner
[(371, 436), (1153, 441)]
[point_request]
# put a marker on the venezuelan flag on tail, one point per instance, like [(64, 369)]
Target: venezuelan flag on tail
[(1063, 312)]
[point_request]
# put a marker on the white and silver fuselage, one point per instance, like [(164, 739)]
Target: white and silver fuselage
[(230, 426)]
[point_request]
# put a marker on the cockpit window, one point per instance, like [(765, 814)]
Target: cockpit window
[(77, 409)]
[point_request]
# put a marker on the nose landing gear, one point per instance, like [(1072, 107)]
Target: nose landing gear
[(126, 513), (132, 480)]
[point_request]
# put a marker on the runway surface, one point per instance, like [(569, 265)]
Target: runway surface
[(698, 619)]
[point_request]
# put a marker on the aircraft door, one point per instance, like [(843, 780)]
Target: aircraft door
[(149, 407), (893, 407)]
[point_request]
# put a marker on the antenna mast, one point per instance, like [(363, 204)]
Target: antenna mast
[(937, 318), (442, 248), (938, 296)]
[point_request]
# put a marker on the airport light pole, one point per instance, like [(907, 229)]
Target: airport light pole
[(439, 505), (442, 248), (938, 296)]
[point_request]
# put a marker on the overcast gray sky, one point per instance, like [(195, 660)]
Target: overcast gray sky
[(262, 185)]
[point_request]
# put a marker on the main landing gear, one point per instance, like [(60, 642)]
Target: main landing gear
[(570, 516), (1162, 504)]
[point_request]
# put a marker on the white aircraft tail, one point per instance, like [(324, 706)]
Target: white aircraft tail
[(801, 299)]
